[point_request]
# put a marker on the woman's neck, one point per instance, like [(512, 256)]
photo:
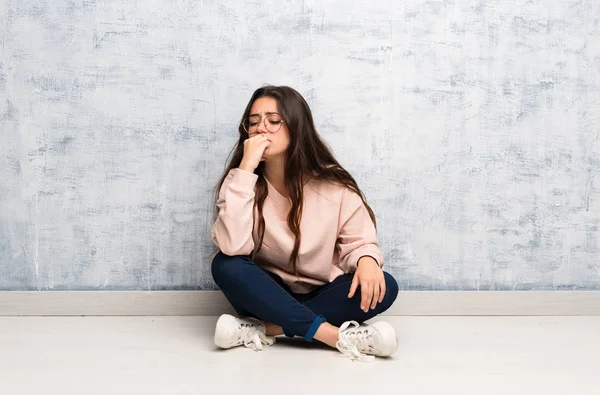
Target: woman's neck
[(275, 173)]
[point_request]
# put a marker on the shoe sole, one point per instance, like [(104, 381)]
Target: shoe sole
[(388, 334)]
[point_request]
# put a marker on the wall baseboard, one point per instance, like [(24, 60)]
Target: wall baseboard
[(134, 303)]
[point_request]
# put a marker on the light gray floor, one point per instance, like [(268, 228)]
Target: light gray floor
[(175, 355)]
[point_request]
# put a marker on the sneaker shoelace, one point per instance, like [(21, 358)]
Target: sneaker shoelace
[(254, 338), (349, 343)]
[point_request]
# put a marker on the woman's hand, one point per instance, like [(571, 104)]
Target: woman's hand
[(254, 148), (372, 283)]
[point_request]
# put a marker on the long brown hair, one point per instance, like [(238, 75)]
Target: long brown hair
[(307, 156)]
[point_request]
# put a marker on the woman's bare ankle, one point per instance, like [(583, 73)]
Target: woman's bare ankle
[(273, 330), (327, 334)]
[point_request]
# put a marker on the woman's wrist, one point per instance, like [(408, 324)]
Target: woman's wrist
[(367, 258), (246, 167)]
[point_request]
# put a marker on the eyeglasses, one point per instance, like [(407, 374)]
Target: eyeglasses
[(272, 123)]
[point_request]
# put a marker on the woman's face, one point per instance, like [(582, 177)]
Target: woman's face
[(264, 111)]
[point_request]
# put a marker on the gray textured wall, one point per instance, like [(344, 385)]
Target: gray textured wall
[(472, 126)]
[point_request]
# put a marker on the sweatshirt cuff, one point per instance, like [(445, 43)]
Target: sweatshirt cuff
[(371, 250), (243, 178)]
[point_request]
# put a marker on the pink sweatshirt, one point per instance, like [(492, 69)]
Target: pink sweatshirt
[(336, 230)]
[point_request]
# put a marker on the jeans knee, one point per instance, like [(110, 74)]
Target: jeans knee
[(225, 267), (391, 290)]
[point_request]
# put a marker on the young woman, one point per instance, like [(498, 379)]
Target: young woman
[(298, 248)]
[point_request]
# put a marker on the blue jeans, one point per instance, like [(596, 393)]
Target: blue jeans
[(255, 292)]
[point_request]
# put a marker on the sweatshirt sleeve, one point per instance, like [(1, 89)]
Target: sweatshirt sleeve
[(357, 236), (232, 231)]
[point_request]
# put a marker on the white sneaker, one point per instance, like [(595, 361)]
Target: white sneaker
[(364, 342), (231, 332)]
